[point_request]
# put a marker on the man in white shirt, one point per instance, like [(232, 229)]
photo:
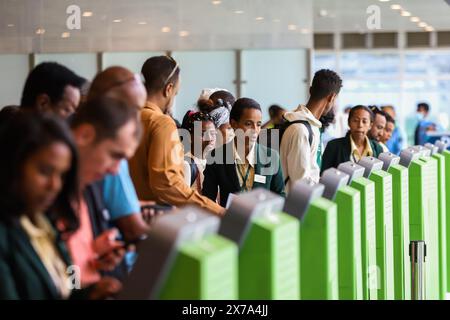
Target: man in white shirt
[(299, 149)]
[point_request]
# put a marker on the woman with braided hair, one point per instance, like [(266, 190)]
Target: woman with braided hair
[(202, 133), (218, 103)]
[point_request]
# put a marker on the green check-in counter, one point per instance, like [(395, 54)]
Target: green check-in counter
[(268, 242), (183, 257), (446, 154), (423, 217), (442, 219), (366, 190), (318, 240), (400, 224), (348, 204), (347, 237), (384, 230)]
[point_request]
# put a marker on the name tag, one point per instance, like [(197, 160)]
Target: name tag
[(260, 179)]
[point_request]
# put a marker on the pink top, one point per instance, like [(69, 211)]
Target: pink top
[(80, 245)]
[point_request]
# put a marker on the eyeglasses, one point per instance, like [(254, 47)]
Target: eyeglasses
[(173, 71)]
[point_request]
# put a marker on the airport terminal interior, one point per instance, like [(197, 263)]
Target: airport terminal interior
[(225, 150)]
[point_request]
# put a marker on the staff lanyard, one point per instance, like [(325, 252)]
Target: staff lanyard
[(244, 179)]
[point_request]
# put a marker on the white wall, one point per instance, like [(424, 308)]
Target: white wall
[(275, 76), (130, 60), (203, 69), (83, 64), (272, 76), (14, 70)]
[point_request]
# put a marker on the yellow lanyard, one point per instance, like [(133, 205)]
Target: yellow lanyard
[(244, 178)]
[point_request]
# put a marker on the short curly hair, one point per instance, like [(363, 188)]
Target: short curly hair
[(325, 82)]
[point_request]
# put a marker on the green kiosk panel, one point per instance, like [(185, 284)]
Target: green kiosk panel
[(433, 215), (268, 246), (348, 204), (184, 258), (446, 155), (318, 240), (400, 224), (366, 190), (384, 233), (423, 217), (442, 220)]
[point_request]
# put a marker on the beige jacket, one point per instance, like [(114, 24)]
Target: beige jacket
[(298, 158)]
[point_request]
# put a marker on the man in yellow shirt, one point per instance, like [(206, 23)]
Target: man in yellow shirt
[(157, 166)]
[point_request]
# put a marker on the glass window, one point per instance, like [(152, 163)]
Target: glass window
[(427, 63), (402, 79), (364, 65), (325, 61), (369, 92), (434, 92)]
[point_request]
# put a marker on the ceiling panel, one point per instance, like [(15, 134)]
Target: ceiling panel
[(229, 25), (351, 15)]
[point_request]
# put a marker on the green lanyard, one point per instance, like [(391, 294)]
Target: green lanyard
[(244, 179), (319, 151)]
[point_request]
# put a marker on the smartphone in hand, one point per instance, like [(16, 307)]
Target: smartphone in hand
[(150, 211), (157, 207)]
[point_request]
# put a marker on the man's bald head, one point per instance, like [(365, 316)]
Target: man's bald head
[(119, 83)]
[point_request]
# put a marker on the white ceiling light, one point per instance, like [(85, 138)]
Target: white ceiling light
[(396, 7), (10, 25), (276, 20), (239, 12), (87, 14), (423, 24), (415, 19), (259, 18), (142, 23), (65, 35), (40, 31), (216, 2), (406, 14), (183, 33), (323, 13), (385, 0), (117, 20), (304, 31), (165, 29), (429, 28), (292, 27)]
